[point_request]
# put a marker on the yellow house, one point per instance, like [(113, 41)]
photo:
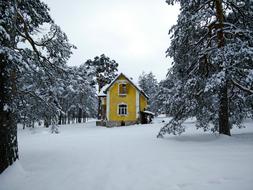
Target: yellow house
[(122, 102)]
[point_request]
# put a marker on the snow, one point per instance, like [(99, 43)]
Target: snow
[(84, 156), (6, 107), (102, 91), (129, 79), (149, 112)]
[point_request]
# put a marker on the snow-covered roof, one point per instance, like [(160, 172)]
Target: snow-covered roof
[(148, 112), (102, 91), (106, 87)]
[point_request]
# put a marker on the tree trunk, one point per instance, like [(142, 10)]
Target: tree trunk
[(24, 121), (8, 140), (224, 127), (79, 119), (68, 116), (99, 108), (99, 103), (47, 121), (46, 124), (64, 119), (60, 119), (23, 125), (84, 117), (73, 116), (8, 126)]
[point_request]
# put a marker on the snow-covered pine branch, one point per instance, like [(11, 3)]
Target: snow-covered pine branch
[(212, 51)]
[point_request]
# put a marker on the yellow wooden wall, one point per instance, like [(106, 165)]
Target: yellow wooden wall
[(129, 99), (143, 103)]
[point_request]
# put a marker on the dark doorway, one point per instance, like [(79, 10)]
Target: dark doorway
[(122, 123)]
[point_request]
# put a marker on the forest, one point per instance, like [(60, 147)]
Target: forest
[(211, 77)]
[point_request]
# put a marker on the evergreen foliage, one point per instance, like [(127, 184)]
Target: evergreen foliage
[(31, 62), (149, 85), (163, 96), (212, 48), (102, 70)]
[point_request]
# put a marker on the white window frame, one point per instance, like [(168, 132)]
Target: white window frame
[(120, 110)]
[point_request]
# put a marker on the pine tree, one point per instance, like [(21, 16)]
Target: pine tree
[(149, 85), (104, 70), (212, 45), (22, 52), (84, 97), (164, 95)]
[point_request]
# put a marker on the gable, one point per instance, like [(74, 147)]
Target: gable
[(122, 86), (121, 78)]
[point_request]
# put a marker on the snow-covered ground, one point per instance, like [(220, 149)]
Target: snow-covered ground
[(86, 157)]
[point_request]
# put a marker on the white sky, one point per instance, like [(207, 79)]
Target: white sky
[(132, 32)]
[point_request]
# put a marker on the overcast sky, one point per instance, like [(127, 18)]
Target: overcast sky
[(132, 32)]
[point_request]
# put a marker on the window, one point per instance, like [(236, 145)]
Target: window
[(122, 109), (122, 89)]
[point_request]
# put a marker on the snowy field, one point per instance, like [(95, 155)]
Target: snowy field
[(86, 157)]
